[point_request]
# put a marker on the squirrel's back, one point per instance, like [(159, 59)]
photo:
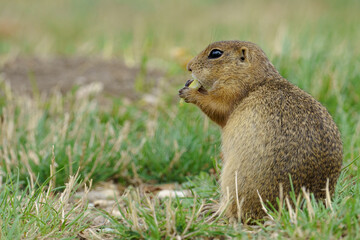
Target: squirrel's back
[(279, 131)]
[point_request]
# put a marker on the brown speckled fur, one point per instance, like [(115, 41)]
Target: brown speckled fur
[(270, 128)]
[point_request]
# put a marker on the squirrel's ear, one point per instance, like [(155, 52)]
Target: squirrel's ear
[(244, 54)]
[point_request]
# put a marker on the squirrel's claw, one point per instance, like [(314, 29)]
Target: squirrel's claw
[(188, 82), (184, 93)]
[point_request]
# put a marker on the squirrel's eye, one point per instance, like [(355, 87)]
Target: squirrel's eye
[(215, 53)]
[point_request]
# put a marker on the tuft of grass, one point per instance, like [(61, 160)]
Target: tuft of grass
[(39, 211), (127, 143), (144, 216)]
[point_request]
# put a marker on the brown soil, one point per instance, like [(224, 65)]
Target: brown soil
[(63, 73)]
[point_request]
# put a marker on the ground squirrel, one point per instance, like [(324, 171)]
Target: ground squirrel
[(271, 129)]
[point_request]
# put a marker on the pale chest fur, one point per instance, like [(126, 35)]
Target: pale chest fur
[(246, 140)]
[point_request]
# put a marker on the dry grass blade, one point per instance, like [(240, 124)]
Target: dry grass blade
[(328, 197), (68, 153), (281, 200), (25, 160), (170, 218), (238, 204), (177, 155), (152, 208), (263, 206), (192, 218), (308, 203), (122, 136), (52, 172), (292, 214)]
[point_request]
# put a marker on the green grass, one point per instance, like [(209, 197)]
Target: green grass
[(313, 44), (104, 144), (142, 217), (38, 211)]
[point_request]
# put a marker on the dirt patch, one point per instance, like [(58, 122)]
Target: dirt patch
[(117, 78), (112, 198)]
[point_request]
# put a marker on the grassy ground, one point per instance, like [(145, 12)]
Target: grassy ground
[(313, 44)]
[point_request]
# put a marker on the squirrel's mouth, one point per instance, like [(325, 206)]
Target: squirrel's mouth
[(201, 89)]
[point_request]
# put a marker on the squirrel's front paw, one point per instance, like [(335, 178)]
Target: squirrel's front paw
[(187, 94)]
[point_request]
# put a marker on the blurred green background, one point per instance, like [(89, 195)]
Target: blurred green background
[(124, 28)]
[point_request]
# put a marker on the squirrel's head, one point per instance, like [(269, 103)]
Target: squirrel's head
[(226, 61)]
